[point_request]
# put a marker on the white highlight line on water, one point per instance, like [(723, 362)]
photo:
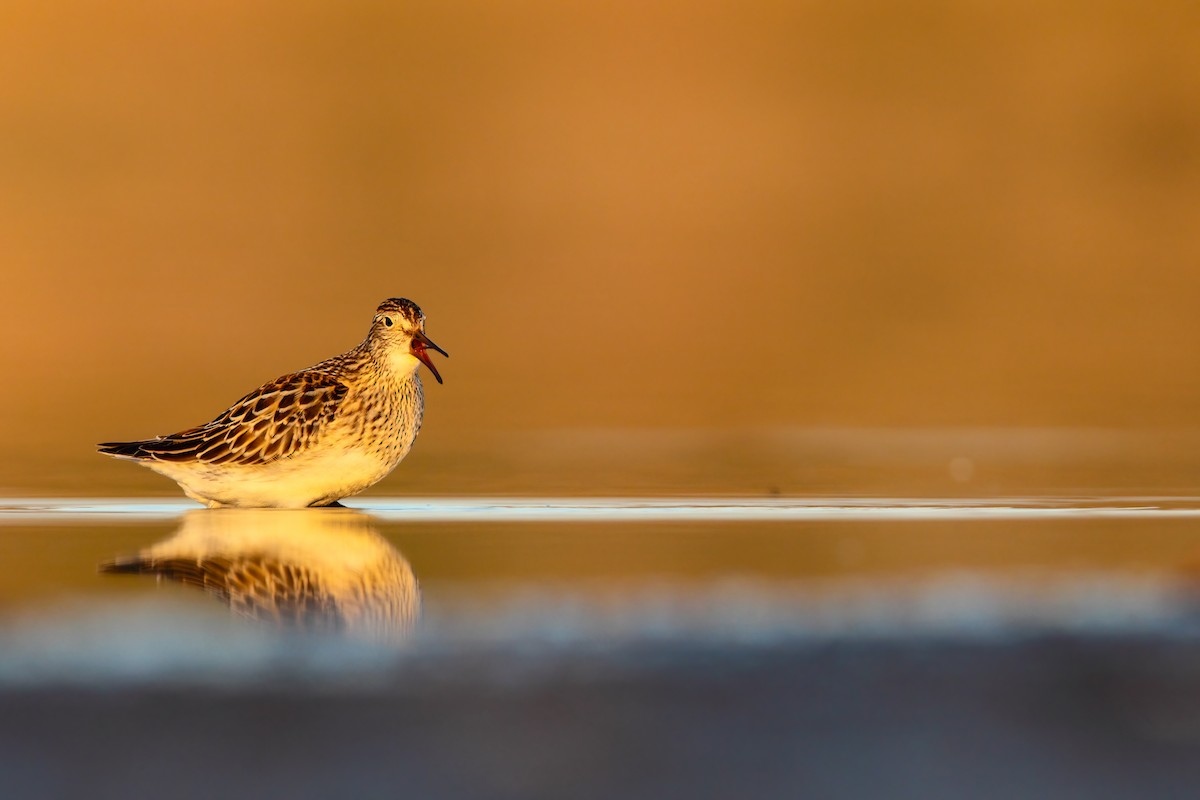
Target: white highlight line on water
[(18, 511)]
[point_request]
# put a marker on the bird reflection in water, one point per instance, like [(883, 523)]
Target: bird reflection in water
[(311, 570)]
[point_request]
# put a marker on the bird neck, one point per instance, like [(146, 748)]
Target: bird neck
[(400, 365)]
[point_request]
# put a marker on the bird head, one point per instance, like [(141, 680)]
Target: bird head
[(399, 325)]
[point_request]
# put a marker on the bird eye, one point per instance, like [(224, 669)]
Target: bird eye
[(388, 321)]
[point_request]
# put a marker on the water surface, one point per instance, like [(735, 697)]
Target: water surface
[(593, 572)]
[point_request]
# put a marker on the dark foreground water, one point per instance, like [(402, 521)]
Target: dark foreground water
[(648, 647)]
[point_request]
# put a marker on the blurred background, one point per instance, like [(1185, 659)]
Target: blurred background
[(634, 226)]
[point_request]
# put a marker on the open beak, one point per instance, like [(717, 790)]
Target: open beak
[(421, 344)]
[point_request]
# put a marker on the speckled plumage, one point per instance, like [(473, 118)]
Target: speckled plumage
[(308, 438)]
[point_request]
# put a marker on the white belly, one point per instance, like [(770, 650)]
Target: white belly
[(313, 478)]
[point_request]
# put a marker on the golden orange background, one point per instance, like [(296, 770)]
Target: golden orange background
[(687, 215)]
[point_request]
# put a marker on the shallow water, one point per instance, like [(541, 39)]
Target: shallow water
[(860, 613), (527, 572)]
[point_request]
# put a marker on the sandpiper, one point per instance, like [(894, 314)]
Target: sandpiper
[(312, 437)]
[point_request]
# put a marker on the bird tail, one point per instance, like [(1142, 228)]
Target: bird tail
[(132, 450), (182, 446), (127, 565)]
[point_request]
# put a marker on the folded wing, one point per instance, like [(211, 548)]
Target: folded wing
[(272, 422)]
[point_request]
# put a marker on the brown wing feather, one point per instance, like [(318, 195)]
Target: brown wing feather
[(272, 422)]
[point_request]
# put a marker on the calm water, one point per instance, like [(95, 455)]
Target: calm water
[(854, 615), (581, 541), (395, 578)]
